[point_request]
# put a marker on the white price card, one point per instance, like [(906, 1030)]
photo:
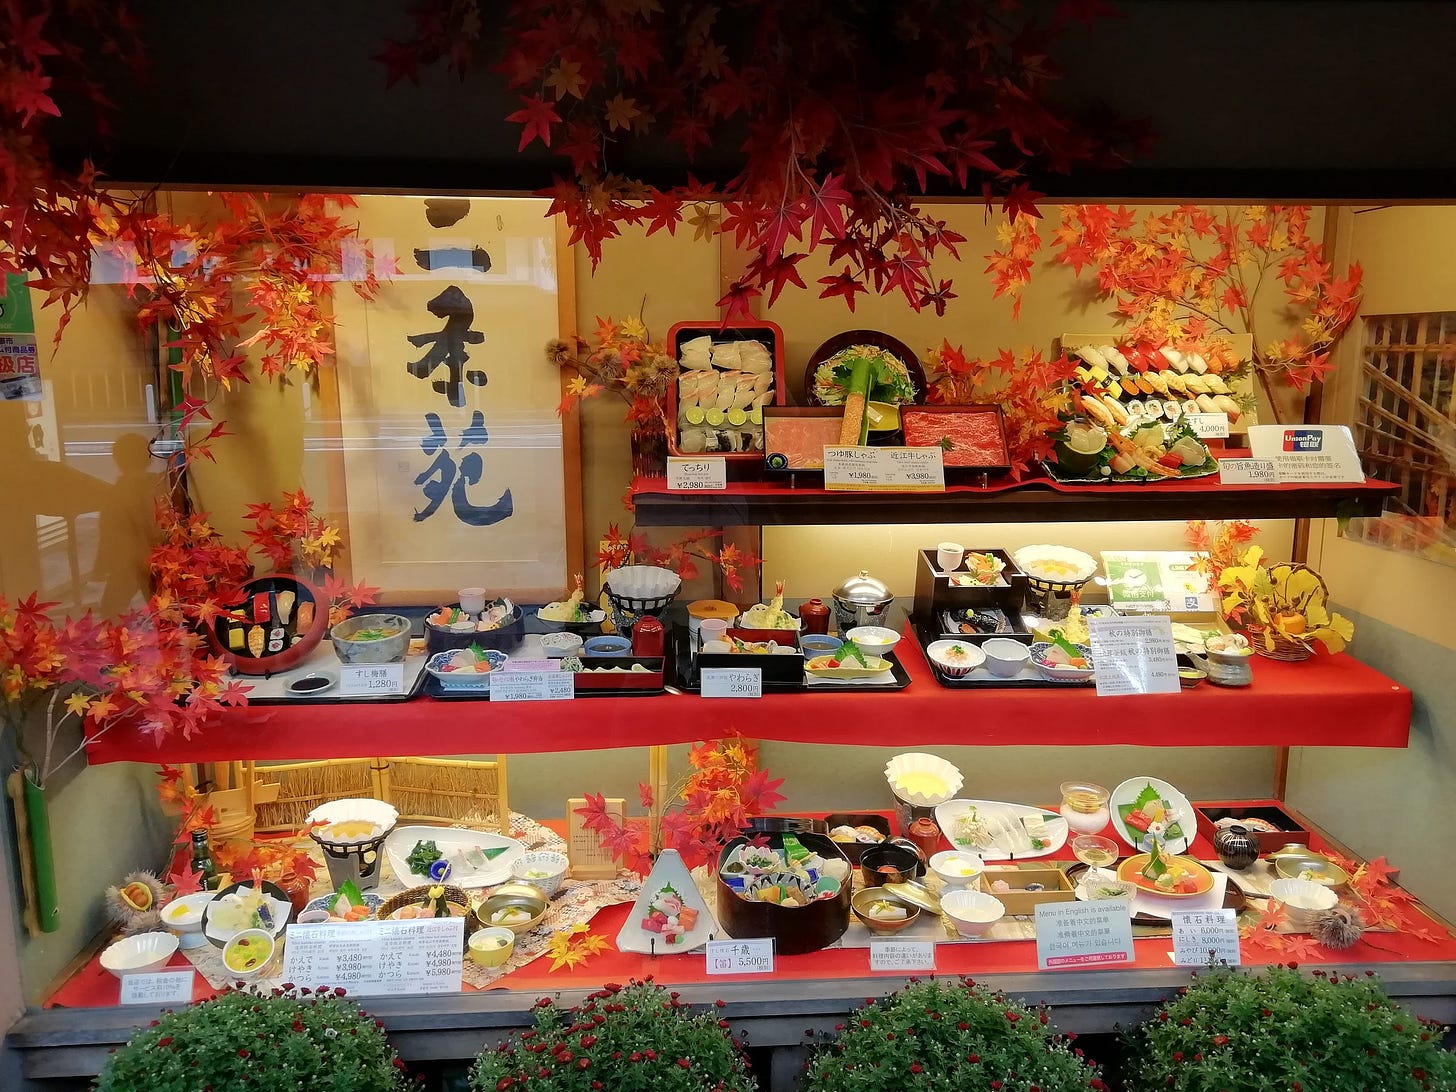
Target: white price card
[(902, 955), (1208, 426), (1083, 934), (1308, 453), (1134, 655), (532, 686), (732, 682), (376, 958), (1201, 936), (361, 680), (897, 469), (1248, 472), (741, 956), (696, 475), (157, 988)]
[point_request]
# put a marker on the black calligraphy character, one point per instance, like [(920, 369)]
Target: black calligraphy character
[(448, 346), (444, 478)]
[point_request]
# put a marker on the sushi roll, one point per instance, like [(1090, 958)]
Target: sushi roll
[(1134, 407), (1172, 408)]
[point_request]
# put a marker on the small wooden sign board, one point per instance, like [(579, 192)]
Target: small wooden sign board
[(589, 861)]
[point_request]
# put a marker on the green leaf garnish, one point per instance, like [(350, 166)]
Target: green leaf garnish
[(947, 444), (477, 651), (850, 650)]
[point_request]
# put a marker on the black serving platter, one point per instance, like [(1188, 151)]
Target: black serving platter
[(1012, 625), (981, 679), (686, 677)]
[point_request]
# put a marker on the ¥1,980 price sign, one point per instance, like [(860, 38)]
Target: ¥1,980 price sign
[(741, 956)]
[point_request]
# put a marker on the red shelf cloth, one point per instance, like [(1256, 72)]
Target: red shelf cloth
[(1327, 701)]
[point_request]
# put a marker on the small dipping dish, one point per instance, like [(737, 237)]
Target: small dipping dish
[(607, 645), (315, 682)]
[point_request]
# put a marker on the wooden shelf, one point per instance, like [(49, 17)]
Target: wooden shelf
[(1038, 501)]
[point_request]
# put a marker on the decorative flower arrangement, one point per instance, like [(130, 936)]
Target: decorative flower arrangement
[(1189, 278), (1026, 387), (1223, 541), (635, 1036), (702, 813), (1281, 605), (948, 1034), (622, 360), (246, 1042), (1237, 1032)]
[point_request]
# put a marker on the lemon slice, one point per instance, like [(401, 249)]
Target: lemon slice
[(694, 415), (737, 416), (714, 416), (755, 415)]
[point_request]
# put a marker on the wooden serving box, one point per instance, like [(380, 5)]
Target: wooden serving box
[(651, 679), (740, 464), (923, 426), (794, 929), (852, 850), (1291, 831), (934, 592), (1022, 903), (780, 667)]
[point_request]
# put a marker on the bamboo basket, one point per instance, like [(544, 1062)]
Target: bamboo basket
[(1284, 647), (418, 895), (448, 791)]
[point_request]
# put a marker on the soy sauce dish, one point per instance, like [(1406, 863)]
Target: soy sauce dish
[(315, 682)]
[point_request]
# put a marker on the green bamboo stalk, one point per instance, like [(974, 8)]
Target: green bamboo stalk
[(43, 862)]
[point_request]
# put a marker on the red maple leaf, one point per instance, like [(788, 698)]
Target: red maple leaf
[(827, 207), (779, 272), (1021, 200), (663, 211), (737, 301), (536, 116), (842, 284)]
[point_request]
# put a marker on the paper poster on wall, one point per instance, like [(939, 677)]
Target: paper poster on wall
[(452, 446), (19, 360), (1156, 580)]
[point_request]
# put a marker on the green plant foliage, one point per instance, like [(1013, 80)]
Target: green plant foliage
[(243, 1042), (634, 1038), (953, 1036), (1238, 1032)]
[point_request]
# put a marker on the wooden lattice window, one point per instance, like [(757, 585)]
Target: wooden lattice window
[(1406, 430)]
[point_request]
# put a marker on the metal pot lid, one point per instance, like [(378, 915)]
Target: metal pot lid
[(917, 894), (863, 590)]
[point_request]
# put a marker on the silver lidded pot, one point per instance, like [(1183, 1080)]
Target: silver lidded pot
[(861, 601)]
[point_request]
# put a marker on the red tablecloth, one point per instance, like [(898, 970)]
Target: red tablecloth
[(92, 986), (1328, 701)]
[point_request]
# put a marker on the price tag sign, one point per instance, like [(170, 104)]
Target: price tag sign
[(532, 686), (896, 469), (1248, 472), (1083, 934), (361, 680), (732, 682), (1201, 935), (696, 475), (1308, 453), (1134, 655), (377, 958), (741, 956), (902, 955), (1208, 426), (158, 988)]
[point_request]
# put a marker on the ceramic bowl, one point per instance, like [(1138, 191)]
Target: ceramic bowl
[(465, 680), (607, 645), (491, 947), (1005, 657), (1303, 900), (139, 954), (1090, 849), (387, 649), (957, 867), (819, 644), (248, 954), (513, 896), (974, 912), (1060, 672), (890, 863), (958, 664), (560, 645), (874, 640), (543, 870), (862, 900), (183, 916), (1301, 863)]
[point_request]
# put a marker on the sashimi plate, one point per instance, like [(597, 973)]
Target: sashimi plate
[(1004, 837), (456, 845)]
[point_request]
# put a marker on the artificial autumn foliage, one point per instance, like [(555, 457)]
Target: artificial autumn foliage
[(681, 555), (1281, 1031), (1192, 276), (836, 116), (1028, 388), (702, 813), (620, 358)]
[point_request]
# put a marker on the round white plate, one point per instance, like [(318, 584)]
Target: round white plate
[(1175, 802), (1011, 840)]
